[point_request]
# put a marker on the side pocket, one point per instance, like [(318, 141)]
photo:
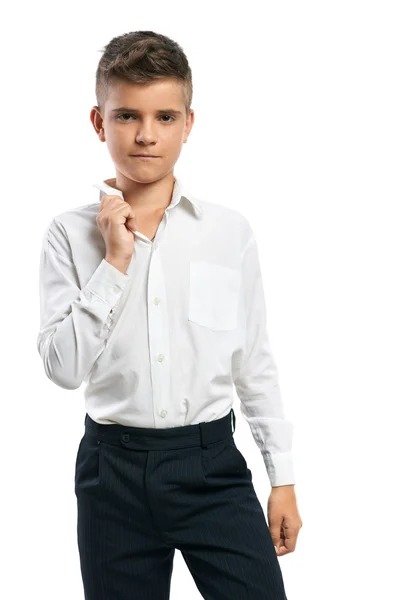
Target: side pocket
[(212, 451), (239, 456), (223, 461), (243, 461), (77, 454), (87, 467)]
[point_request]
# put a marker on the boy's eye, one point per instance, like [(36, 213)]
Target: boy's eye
[(133, 116)]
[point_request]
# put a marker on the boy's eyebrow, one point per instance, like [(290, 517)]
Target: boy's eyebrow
[(135, 110)]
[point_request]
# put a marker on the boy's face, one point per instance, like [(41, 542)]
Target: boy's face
[(145, 130)]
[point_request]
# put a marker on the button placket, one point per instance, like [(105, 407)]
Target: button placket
[(158, 336)]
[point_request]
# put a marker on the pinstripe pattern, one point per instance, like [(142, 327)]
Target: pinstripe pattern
[(142, 493)]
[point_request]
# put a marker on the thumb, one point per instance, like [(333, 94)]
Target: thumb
[(275, 531), (131, 223)]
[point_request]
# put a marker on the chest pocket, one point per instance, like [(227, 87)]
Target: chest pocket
[(214, 295)]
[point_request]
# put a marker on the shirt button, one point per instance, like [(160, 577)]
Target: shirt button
[(155, 246), (116, 289), (156, 300), (160, 357), (163, 413)]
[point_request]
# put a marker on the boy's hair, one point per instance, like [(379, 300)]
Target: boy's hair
[(141, 57)]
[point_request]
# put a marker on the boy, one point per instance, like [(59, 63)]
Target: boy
[(154, 299)]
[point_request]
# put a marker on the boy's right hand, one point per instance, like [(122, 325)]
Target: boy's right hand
[(117, 221)]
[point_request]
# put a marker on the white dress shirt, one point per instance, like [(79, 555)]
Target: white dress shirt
[(164, 344)]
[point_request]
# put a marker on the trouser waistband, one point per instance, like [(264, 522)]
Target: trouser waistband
[(199, 434)]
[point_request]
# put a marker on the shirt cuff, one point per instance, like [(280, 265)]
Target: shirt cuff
[(105, 288), (280, 468)]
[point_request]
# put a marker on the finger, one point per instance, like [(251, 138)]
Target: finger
[(275, 534), (290, 535), (106, 199), (285, 546), (276, 528)]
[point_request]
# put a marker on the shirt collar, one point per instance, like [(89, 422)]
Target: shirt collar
[(177, 193)]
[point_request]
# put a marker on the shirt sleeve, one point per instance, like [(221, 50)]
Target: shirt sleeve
[(257, 382), (74, 322)]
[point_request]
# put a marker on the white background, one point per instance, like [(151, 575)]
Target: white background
[(297, 126)]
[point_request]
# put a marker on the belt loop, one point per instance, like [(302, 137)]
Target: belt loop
[(233, 420), (203, 437)]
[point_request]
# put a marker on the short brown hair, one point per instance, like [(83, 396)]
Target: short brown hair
[(141, 57)]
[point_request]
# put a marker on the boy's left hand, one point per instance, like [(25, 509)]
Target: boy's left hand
[(283, 518)]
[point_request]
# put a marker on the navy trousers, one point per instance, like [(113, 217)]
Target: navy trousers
[(142, 493)]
